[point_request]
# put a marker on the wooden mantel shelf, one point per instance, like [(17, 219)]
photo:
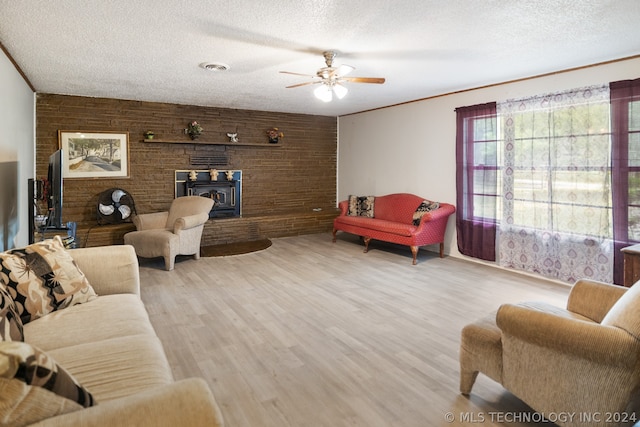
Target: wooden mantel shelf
[(199, 142)]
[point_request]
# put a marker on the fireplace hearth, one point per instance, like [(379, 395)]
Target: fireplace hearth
[(223, 186)]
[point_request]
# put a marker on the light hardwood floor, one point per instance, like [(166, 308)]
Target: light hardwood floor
[(312, 333)]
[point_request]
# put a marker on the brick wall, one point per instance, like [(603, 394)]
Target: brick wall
[(282, 184)]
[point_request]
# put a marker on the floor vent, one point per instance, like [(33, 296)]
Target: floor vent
[(254, 230)]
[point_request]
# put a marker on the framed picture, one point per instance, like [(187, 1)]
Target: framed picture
[(94, 154)]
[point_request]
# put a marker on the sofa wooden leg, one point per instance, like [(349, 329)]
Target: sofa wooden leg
[(366, 244), (442, 250), (334, 235), (414, 252)]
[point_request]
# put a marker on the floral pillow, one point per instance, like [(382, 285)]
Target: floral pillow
[(361, 206), (28, 364), (425, 206), (10, 322), (42, 278)]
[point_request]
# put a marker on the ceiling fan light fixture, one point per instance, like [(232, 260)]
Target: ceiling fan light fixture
[(344, 69), (340, 90), (323, 93)]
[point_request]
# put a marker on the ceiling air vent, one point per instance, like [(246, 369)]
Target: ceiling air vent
[(214, 66)]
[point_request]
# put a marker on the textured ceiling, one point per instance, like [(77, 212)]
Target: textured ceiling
[(151, 49)]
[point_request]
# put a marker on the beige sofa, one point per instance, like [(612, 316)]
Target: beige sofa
[(110, 347)]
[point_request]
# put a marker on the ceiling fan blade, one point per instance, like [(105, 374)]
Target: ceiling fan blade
[(378, 80), (296, 74), (304, 84)]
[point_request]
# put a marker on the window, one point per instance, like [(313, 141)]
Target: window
[(558, 163), (553, 179), (484, 191)]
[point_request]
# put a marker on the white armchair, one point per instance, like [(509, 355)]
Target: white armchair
[(176, 232)]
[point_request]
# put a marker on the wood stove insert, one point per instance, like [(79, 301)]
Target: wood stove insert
[(223, 186)]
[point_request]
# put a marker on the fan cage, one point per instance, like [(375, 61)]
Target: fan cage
[(111, 205)]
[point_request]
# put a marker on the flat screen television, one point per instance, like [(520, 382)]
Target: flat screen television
[(54, 193)]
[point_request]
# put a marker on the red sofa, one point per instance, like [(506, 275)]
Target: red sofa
[(390, 218)]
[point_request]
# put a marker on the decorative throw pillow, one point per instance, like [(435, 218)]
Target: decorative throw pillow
[(10, 322), (42, 278), (361, 206), (22, 361), (425, 206)]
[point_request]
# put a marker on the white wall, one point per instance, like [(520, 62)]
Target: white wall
[(17, 154), (411, 147)]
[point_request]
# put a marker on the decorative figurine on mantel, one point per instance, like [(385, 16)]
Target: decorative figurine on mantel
[(274, 135), (233, 137), (194, 130), (213, 173), (229, 175), (193, 175)]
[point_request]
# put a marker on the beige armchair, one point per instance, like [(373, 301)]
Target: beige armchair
[(582, 360), (176, 232)]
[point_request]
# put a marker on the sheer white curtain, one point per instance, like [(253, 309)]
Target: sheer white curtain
[(556, 185)]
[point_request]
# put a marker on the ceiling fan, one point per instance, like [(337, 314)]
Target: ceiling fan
[(332, 79)]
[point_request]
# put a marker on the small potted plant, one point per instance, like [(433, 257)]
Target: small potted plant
[(194, 130), (274, 135), (149, 134)]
